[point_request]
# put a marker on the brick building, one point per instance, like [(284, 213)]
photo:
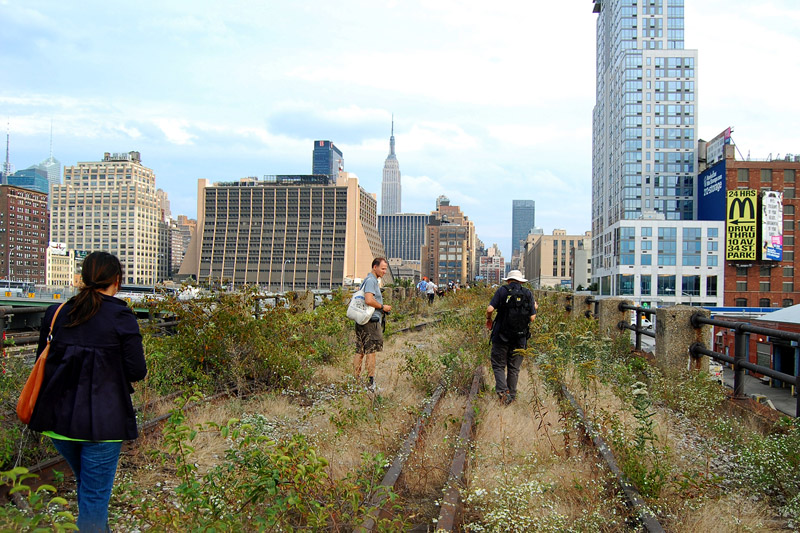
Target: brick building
[(763, 279), (24, 230)]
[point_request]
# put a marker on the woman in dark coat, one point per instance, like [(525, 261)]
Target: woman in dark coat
[(84, 404)]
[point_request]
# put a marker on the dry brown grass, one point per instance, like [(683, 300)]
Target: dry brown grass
[(427, 468), (393, 410), (528, 441), (732, 513), (718, 511), (391, 414)]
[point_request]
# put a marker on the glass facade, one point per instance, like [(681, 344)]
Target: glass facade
[(644, 121), (523, 220)]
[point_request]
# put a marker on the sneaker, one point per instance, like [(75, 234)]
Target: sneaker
[(508, 399)]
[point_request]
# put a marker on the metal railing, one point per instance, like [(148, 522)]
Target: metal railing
[(637, 327), (739, 360)]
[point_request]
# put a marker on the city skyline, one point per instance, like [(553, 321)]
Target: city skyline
[(221, 93)]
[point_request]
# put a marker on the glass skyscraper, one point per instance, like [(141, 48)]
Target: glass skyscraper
[(523, 216), (644, 127), (327, 160)]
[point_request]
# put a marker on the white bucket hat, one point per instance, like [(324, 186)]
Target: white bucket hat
[(516, 275)]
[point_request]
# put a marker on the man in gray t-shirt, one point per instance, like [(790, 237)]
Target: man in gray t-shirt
[(369, 337)]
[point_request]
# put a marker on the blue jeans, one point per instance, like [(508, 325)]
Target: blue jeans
[(94, 465)]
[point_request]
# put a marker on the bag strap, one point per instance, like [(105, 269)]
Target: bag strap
[(53, 323)]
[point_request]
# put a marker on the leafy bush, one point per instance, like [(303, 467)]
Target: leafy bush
[(43, 513)]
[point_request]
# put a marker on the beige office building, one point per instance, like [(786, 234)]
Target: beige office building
[(284, 232), (111, 206), (549, 260)]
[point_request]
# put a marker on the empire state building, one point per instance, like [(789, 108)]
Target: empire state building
[(390, 187)]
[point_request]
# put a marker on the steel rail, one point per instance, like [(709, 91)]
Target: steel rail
[(635, 500), (452, 495)]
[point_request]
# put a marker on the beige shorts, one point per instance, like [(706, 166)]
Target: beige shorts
[(369, 338)]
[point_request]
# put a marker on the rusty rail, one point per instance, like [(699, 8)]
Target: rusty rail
[(451, 501)]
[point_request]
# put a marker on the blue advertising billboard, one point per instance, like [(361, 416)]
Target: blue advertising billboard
[(711, 199)]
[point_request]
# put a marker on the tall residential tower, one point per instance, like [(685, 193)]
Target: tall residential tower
[(390, 187), (644, 235)]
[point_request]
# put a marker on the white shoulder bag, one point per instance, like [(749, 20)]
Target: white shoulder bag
[(358, 309)]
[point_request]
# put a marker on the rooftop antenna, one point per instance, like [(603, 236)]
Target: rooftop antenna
[(7, 166)]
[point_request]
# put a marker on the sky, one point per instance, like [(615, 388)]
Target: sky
[(491, 102)]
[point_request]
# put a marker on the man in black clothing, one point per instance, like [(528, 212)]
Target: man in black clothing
[(516, 309)]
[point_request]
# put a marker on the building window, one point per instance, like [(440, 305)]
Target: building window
[(740, 302), (646, 259), (666, 285), (763, 286), (711, 286), (741, 271), (713, 232), (625, 284), (646, 285), (788, 175), (764, 271), (787, 302), (788, 209), (788, 192), (788, 286), (741, 286), (788, 255), (788, 272), (766, 174), (690, 285), (763, 302), (712, 261), (743, 175)]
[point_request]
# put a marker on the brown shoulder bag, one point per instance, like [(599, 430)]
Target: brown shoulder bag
[(30, 392)]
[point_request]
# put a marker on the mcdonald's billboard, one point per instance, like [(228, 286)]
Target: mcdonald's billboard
[(741, 227), (772, 226)]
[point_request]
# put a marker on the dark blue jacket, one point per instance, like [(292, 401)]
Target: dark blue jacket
[(86, 389)]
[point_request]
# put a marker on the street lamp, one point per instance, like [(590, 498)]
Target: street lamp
[(689, 294), (282, 267)]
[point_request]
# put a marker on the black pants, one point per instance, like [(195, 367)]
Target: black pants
[(506, 365)]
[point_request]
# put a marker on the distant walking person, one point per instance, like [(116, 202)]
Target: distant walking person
[(430, 290), (85, 405), (369, 337), (516, 309), (422, 286)]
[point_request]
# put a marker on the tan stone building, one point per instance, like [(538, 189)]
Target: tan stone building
[(449, 252), (549, 260), (284, 232), (60, 266), (111, 206)]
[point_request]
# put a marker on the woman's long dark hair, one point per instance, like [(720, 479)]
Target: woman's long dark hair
[(100, 271)]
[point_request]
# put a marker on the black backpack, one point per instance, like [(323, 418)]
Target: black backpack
[(517, 312)]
